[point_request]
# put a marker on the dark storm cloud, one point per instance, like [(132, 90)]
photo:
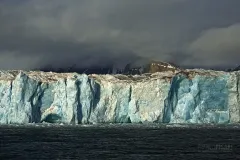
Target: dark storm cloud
[(87, 33), (222, 42)]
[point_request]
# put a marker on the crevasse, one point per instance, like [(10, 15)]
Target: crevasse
[(189, 96)]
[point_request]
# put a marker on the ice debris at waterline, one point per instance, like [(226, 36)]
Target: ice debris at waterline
[(188, 96)]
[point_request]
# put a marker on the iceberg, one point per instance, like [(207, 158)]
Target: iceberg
[(193, 96)]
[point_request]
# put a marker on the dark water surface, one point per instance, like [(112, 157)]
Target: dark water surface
[(119, 142)]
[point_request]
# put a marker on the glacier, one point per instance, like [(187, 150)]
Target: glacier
[(193, 96)]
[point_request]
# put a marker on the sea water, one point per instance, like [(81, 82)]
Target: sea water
[(119, 141)]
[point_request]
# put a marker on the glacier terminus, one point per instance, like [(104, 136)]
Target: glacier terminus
[(192, 96)]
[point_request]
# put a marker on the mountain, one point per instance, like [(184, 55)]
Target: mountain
[(135, 67), (233, 69), (150, 67), (237, 68)]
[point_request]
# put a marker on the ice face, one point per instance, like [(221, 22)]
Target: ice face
[(202, 99), (192, 96)]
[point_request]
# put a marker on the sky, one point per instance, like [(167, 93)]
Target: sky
[(97, 33)]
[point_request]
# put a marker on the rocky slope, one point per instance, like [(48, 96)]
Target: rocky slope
[(149, 67), (170, 96)]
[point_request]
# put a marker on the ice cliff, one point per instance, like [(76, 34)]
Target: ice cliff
[(189, 96)]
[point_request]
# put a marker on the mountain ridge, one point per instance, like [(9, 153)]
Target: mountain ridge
[(135, 67), (130, 68)]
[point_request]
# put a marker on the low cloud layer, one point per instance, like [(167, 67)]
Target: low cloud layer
[(34, 34), (221, 46)]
